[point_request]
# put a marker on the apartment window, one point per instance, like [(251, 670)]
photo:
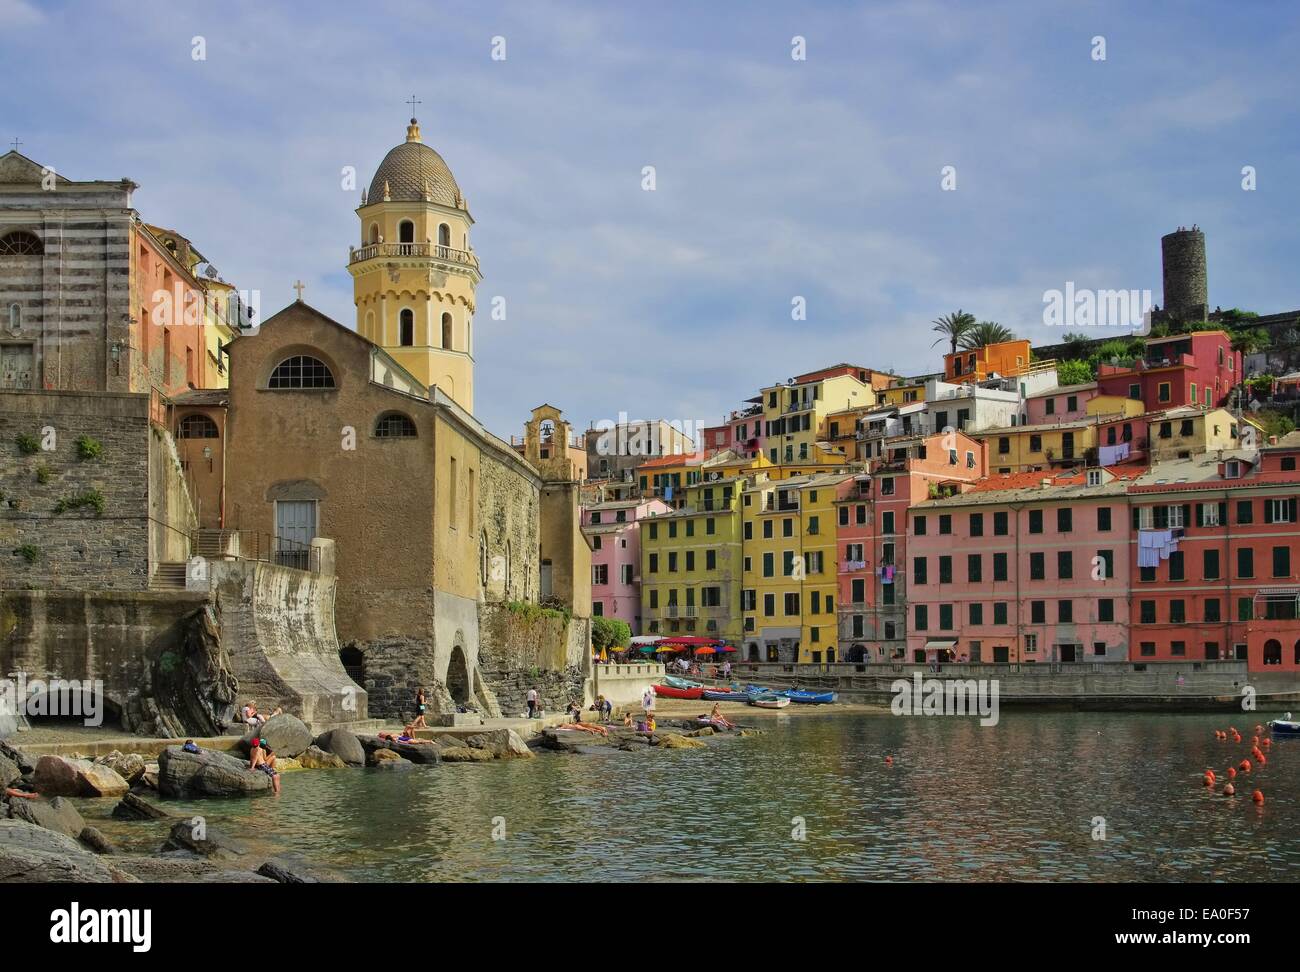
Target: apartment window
[(1245, 562), (769, 605), (1099, 647), (1051, 406), (769, 564), (945, 617), (1211, 651), (999, 567), (600, 574), (1000, 524), (791, 604), (890, 629), (945, 570), (1031, 644), (672, 562), (1035, 521), (654, 598), (749, 529), (1147, 612), (1211, 610), (977, 524), (859, 588), (767, 530), (787, 527), (1177, 570), (1035, 443), (887, 486), (1245, 609), (1185, 428), (1107, 558), (1037, 566), (1004, 445), (860, 514), (787, 563), (1064, 612), (1147, 649), (1064, 520), (1177, 612), (1135, 391), (921, 617), (1178, 649), (1166, 430), (672, 530), (1281, 561), (887, 522), (1072, 403), (999, 612), (974, 568), (918, 526), (813, 526), (1105, 609), (1038, 612), (814, 602), (844, 516), (945, 523), (919, 570), (977, 614), (1279, 511), (654, 564), (1064, 564), (654, 527), (1210, 514), (710, 560), (1165, 392), (1103, 518), (1245, 511)]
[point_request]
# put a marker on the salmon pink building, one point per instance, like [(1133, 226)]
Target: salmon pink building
[(1182, 369), (614, 531), (1027, 567)]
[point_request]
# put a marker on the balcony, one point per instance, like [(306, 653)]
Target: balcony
[(427, 251)]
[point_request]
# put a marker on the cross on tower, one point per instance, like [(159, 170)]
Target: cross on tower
[(299, 286), (16, 143), (413, 102)]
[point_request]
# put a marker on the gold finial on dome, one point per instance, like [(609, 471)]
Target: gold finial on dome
[(413, 131)]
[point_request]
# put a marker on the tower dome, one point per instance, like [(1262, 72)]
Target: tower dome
[(413, 172)]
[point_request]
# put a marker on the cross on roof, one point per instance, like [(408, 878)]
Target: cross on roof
[(16, 143), (299, 286), (412, 101)]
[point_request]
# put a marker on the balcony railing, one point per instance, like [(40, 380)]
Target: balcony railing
[(448, 254)]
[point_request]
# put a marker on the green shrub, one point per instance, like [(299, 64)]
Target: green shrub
[(42, 473), (29, 553), (88, 448), (1075, 372), (27, 444), (91, 497)]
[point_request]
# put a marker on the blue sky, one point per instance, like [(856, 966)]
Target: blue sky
[(776, 178)]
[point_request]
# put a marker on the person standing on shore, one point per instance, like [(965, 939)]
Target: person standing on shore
[(648, 700), (420, 707), (532, 702)]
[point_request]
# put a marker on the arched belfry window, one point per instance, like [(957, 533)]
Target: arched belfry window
[(197, 426), (446, 331), (21, 243), (444, 234), (406, 328), (374, 232), (406, 231), (301, 371), (395, 425)]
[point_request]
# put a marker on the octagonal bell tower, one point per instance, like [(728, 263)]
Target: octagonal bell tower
[(414, 273)]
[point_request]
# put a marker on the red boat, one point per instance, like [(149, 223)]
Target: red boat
[(668, 692)]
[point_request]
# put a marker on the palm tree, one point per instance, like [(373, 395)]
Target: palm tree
[(985, 333), (953, 326)]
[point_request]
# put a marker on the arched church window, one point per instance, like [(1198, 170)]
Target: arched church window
[(444, 234), (446, 332), (395, 425), (406, 231), (374, 232), (406, 328), (21, 243), (301, 371), (197, 426)]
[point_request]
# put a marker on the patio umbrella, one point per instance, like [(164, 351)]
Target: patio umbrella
[(705, 651), (660, 651), (646, 649)]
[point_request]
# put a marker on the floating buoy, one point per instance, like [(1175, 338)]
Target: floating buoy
[(1245, 766), (1268, 742), (1229, 790), (1258, 796), (889, 760), (1259, 758), (1208, 779), (1255, 741), (1232, 773)]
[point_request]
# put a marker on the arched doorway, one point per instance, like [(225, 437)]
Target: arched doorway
[(458, 683), (354, 663), (1272, 652)]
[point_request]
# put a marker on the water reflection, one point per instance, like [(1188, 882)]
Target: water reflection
[(1011, 803)]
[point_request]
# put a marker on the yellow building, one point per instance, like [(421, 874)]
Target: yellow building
[(794, 414), (1180, 433), (1029, 448), (788, 596), (904, 393), (414, 274), (691, 563)]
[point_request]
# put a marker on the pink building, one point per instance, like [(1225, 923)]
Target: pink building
[(871, 536), (1027, 567), (1068, 403), (1181, 369), (613, 529), (746, 425)]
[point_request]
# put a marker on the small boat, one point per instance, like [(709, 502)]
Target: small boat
[(671, 692), (725, 695), (681, 683), (809, 698), (1285, 727), (769, 701)]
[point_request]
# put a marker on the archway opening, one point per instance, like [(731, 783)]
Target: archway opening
[(354, 663), (1272, 652), (458, 682), (406, 231)]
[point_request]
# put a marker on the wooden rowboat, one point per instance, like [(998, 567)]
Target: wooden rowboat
[(769, 702), (669, 692)]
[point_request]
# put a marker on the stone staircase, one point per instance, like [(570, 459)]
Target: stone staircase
[(168, 577)]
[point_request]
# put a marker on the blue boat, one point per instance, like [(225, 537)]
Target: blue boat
[(725, 695), (1285, 727), (809, 698)]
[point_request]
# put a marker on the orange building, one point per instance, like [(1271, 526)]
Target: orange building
[(976, 364)]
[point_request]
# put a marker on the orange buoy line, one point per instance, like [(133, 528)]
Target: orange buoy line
[(1258, 796)]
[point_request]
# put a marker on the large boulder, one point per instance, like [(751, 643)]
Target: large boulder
[(207, 773), (35, 855), (288, 871), (9, 771), (287, 735), (96, 841), (198, 838), (384, 757), (501, 743), (129, 766), (417, 752), (23, 761), (674, 741), (343, 744), (316, 758), (58, 815), (463, 754), (60, 776)]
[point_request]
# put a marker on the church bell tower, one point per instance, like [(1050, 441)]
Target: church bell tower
[(414, 274)]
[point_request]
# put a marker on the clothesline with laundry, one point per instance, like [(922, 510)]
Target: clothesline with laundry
[(1155, 546)]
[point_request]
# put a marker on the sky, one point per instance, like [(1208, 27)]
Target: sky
[(778, 180)]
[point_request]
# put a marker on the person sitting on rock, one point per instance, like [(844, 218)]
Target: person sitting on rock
[(190, 747), (262, 757), (250, 715)]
